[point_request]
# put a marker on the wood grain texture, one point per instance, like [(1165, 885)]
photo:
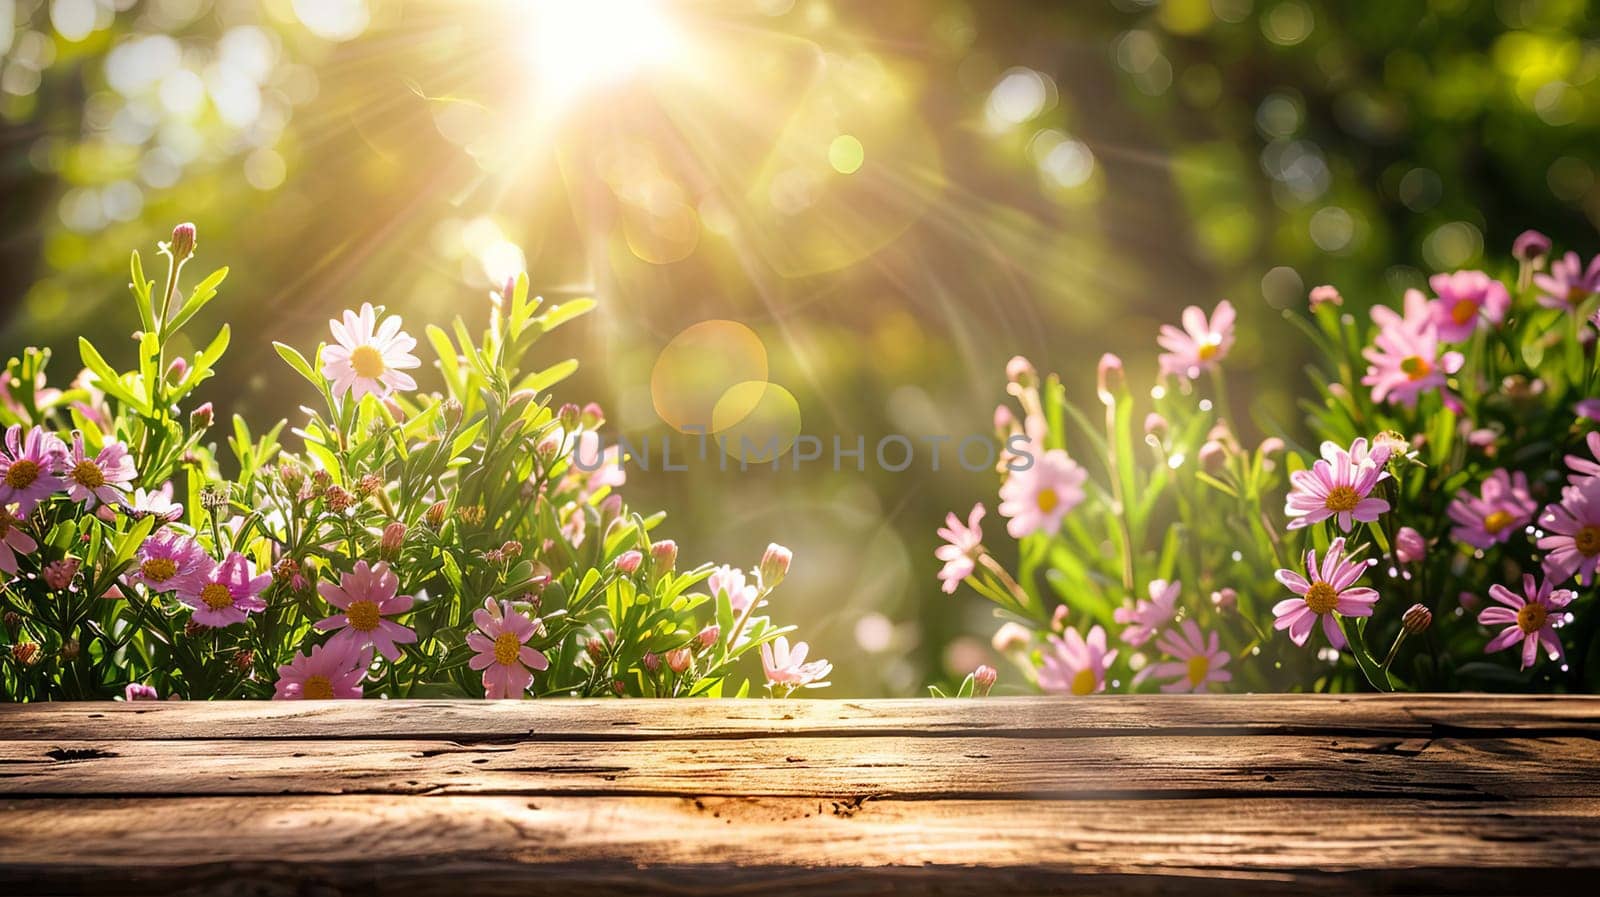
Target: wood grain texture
[(1121, 795)]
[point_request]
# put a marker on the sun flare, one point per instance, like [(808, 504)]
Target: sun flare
[(575, 47)]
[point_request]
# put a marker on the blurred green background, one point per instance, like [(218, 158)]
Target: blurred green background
[(894, 196)]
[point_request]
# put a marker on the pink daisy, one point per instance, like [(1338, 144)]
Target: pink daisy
[(225, 594), (333, 670), (1501, 507), (168, 561), (1035, 499), (30, 468), (13, 541), (1568, 284), (157, 502), (1199, 661), (1530, 618), (787, 667), (1582, 468), (1465, 298), (1573, 538), (1074, 665), (103, 478), (1322, 591), (1405, 358), (730, 581), (370, 359), (504, 655), (963, 544), (1339, 486), (1200, 344), (1144, 618), (367, 595)]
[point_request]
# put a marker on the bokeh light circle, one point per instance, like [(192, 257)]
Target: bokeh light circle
[(697, 371), (756, 422)]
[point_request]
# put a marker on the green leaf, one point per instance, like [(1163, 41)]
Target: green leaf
[(550, 376), (204, 292), (109, 381), (566, 311), (141, 293), (298, 362)]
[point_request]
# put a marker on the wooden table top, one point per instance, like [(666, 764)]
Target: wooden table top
[(1103, 795)]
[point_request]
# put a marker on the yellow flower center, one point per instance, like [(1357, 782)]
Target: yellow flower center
[(22, 473), (159, 569), (1496, 521), (1047, 501), (1208, 349), (88, 474), (216, 596), (1199, 666), (506, 648), (1416, 367), (1587, 540), (363, 615), (1342, 498), (316, 688), (1084, 682), (1321, 598), (1531, 617), (1463, 312), (367, 361)]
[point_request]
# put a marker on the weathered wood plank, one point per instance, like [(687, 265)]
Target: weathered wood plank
[(610, 845), (1461, 716), (900, 767)]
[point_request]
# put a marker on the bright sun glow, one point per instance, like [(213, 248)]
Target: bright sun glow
[(578, 45)]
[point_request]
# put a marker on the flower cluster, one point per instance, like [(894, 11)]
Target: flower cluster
[(1145, 547), (414, 542)]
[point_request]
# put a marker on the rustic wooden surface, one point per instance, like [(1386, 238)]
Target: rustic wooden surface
[(1106, 795)]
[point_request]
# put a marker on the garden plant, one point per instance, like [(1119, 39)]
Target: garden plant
[(1443, 533), (394, 541)]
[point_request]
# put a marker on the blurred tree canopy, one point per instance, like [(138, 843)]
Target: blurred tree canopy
[(992, 178)]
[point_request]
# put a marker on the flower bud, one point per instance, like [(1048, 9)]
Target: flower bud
[(177, 369), (774, 566), (139, 692), (183, 242), (369, 485), (1155, 425), (394, 539), (1392, 444), (983, 679), (628, 562), (70, 650), (595, 648), (1020, 371), (59, 574), (678, 660), (1213, 457), (200, 418), (593, 416), (569, 415), (337, 499), (610, 509), (434, 516), (664, 556), (1011, 636), (1530, 247), (243, 660), (618, 687), (12, 619), (547, 449), (1417, 619), (651, 662), (1409, 546), (452, 411), (1224, 599), (1325, 295), (292, 476), (1058, 619), (1109, 379), (708, 636), (1004, 420)]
